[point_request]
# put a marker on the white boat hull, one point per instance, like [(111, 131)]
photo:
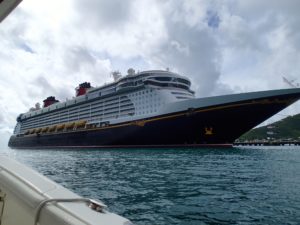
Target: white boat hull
[(27, 198)]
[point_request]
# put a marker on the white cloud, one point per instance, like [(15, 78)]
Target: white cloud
[(48, 48)]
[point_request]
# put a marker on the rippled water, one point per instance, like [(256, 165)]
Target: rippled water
[(181, 186)]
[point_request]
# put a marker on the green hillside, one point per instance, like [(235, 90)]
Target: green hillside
[(286, 128)]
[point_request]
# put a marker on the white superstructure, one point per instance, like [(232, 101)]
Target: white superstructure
[(135, 96)]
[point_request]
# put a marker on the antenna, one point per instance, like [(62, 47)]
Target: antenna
[(116, 75), (290, 82)]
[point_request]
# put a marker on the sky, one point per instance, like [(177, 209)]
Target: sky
[(223, 47)]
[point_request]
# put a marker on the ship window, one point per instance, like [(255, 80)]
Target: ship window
[(128, 84), (179, 97), (184, 81), (167, 84), (163, 78)]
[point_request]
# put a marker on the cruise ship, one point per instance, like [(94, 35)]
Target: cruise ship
[(145, 109)]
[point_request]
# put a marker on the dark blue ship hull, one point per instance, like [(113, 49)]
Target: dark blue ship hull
[(202, 126)]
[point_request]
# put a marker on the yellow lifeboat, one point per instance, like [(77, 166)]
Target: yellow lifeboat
[(38, 130), (45, 129), (32, 131), (80, 124), (52, 128), (60, 127), (70, 125)]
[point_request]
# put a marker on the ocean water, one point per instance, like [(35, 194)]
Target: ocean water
[(181, 186)]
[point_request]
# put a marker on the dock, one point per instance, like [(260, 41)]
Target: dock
[(267, 143)]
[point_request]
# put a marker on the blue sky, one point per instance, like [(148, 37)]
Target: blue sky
[(48, 48)]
